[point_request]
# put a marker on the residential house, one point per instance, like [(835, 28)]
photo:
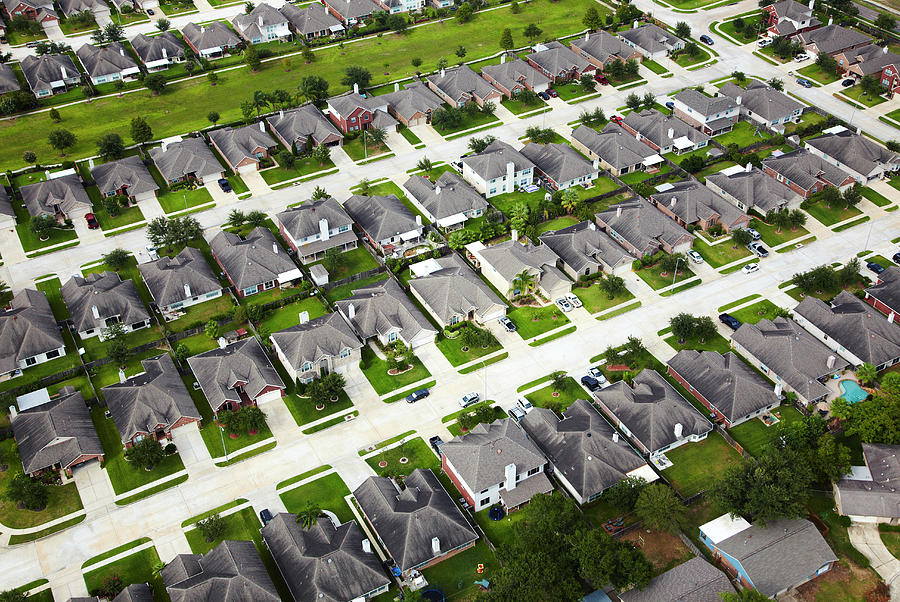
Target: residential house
[(158, 52), (385, 221), (99, 300), (749, 188), (136, 592), (452, 293), (869, 493), (401, 6), (150, 404), (179, 282), (311, 22), (56, 435), (187, 160), (788, 18), (642, 229), (62, 197), (8, 80), (50, 74), (864, 159), (7, 213), (652, 413), (315, 226), (210, 41), (71, 8), (127, 177), (413, 105), (806, 173), (872, 60), (458, 86), (617, 150), (232, 569), (352, 12), (104, 64), (236, 376), (583, 249), (28, 333), (262, 24), (255, 263), (41, 11), (383, 311), (695, 580), (664, 133), (730, 389), (851, 328), (763, 104), (692, 203), (498, 169), (316, 347), (326, 561), (832, 39), (558, 62), (790, 356), (586, 453), (352, 112), (561, 165), (503, 263), (448, 201), (243, 148), (304, 128), (714, 115), (884, 295), (770, 558), (601, 49), (651, 40), (418, 523), (511, 77)]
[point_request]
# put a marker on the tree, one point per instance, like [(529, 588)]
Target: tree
[(682, 30), (691, 48), (308, 54), (190, 67), (29, 156), (633, 101), (116, 348), (693, 163), (464, 13), (61, 140), (54, 115), (377, 135), (797, 218), (682, 326), (319, 193), (113, 32), (624, 494), (506, 40), (331, 259), (660, 509), (309, 516), (532, 32), (111, 146), (251, 58), (257, 218), (704, 329), (477, 145), (314, 88), (286, 159), (746, 594), (540, 135), (42, 225), (13, 595), (213, 527), (885, 21), (592, 19), (212, 76), (33, 495), (212, 329), (117, 259), (236, 218), (587, 82), (523, 283), (740, 237), (826, 63), (739, 76), (867, 373), (163, 24), (213, 117), (254, 419), (648, 101), (416, 62), (776, 84), (570, 200), (156, 83), (147, 453), (602, 559), (354, 74), (261, 100), (97, 37), (852, 196), (397, 23), (425, 165), (559, 380), (111, 205), (442, 63), (612, 286), (141, 132), (321, 154), (460, 53)]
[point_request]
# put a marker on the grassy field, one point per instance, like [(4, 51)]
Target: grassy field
[(534, 321), (697, 465), (376, 371), (326, 492), (754, 436), (556, 224)]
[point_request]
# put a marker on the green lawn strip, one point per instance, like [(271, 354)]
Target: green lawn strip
[(415, 450), (386, 442), (289, 315), (891, 539), (403, 394), (654, 66), (152, 491), (772, 237), (136, 568), (681, 287), (619, 311), (180, 200), (330, 423), (114, 552), (409, 135), (326, 492), (534, 321), (875, 197), (716, 343), (880, 260), (595, 300), (815, 73), (28, 537), (300, 477), (743, 134), (720, 254), (567, 394), (553, 337), (345, 290), (303, 166), (654, 277), (499, 532), (829, 216), (487, 362), (855, 222), (796, 246), (376, 372), (240, 457), (697, 465), (45, 595), (740, 301), (217, 510), (51, 288), (754, 436), (517, 107)]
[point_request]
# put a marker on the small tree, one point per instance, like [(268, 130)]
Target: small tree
[(558, 379), (212, 527), (141, 132), (309, 516), (532, 32), (117, 258), (416, 62), (33, 495), (254, 418), (587, 82), (464, 13), (251, 58), (110, 146), (213, 117), (612, 286), (740, 237), (212, 329), (682, 30), (377, 135), (42, 225), (117, 350), (354, 74), (308, 55), (885, 21), (61, 140), (506, 40), (54, 115), (776, 84), (704, 329), (212, 76), (111, 205), (156, 83), (147, 453), (182, 352), (286, 159), (319, 193), (332, 259), (867, 373), (13, 595), (163, 24), (29, 156), (660, 509), (592, 19), (633, 101)]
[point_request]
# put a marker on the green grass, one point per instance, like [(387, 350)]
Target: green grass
[(17, 539), (289, 315), (200, 314), (516, 107), (326, 492), (686, 60), (829, 216), (620, 311), (754, 436), (330, 423), (499, 532), (417, 452), (720, 254), (301, 476), (822, 505), (403, 394), (654, 66), (217, 510), (555, 224), (680, 288), (345, 290), (534, 383), (240, 526), (126, 216), (136, 568), (891, 540), (376, 371), (95, 349), (815, 73), (716, 343), (567, 394), (743, 134), (856, 93), (453, 349), (30, 241), (478, 120), (114, 552), (534, 321), (808, 118), (51, 288), (656, 279), (760, 310), (456, 576), (697, 465), (303, 166), (848, 225), (772, 237), (487, 362), (740, 301), (385, 443), (572, 91), (409, 135), (240, 457), (875, 197), (351, 262), (635, 177), (595, 300), (552, 337), (179, 200), (747, 34)]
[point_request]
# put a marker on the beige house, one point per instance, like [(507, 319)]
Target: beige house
[(503, 263)]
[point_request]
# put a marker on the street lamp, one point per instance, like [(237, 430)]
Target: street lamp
[(675, 275), (222, 435)]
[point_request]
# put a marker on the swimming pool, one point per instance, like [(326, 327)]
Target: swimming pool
[(851, 391)]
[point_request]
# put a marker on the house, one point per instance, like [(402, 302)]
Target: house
[(50, 74), (28, 333), (262, 24), (770, 558), (327, 561), (231, 569), (243, 148), (56, 435), (558, 62), (401, 6), (585, 451), (304, 128), (315, 226), (692, 203), (713, 115), (458, 86), (617, 150), (806, 173), (511, 77), (502, 264), (664, 133), (873, 60), (451, 292), (419, 524), (152, 403), (851, 328), (312, 22), (100, 300), (884, 295), (583, 249), (136, 592), (8, 80), (385, 221), (652, 413), (695, 580), (832, 39), (36, 10), (253, 264), (724, 384), (413, 105), (788, 18), (316, 347), (383, 311), (70, 8), (236, 376), (352, 112), (561, 165), (7, 213), (127, 177), (789, 355), (448, 201), (158, 52), (499, 168), (210, 41), (176, 283), (352, 12), (62, 197), (651, 40), (864, 159), (187, 160), (107, 63), (869, 493), (642, 229), (601, 49), (749, 188), (763, 104)]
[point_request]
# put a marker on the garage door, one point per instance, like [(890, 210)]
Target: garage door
[(248, 168), (270, 396)]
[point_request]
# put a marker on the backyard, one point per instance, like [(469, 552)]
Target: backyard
[(289, 315), (534, 321), (349, 263), (456, 575), (376, 371), (743, 134), (754, 436), (695, 466)]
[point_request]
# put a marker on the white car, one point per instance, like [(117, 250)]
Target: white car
[(750, 268), (765, 42), (695, 256), (573, 299), (469, 399), (598, 374), (524, 405), (801, 57), (563, 304), (755, 235)]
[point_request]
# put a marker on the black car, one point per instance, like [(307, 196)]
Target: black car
[(417, 395), (848, 82), (224, 185), (896, 258), (706, 40), (875, 267), (436, 442), (265, 516), (730, 321), (544, 95), (590, 383)]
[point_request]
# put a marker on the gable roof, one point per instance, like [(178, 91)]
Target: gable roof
[(513, 73), (753, 188), (231, 572), (210, 35), (693, 201), (491, 162), (510, 258), (559, 161), (584, 245), (642, 224), (129, 171), (887, 290), (6, 207), (703, 104), (762, 100), (105, 60), (871, 59), (136, 592), (460, 83), (8, 80), (833, 38), (106, 293), (348, 102), (66, 191), (178, 278), (150, 48), (651, 38), (875, 493), (27, 329), (302, 220), (41, 71), (449, 195), (303, 123), (789, 9), (603, 46), (381, 217), (188, 156), (311, 19), (654, 126), (555, 57), (70, 7), (354, 9), (408, 520), (695, 580), (241, 143), (382, 308), (415, 97), (455, 290), (806, 169), (613, 145), (253, 260), (220, 370), (325, 336), (252, 24), (860, 154)]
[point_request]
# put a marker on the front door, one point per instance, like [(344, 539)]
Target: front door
[(323, 367)]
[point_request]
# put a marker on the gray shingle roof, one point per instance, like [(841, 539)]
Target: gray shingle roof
[(455, 290), (754, 189), (130, 172), (833, 38), (693, 581), (448, 195), (789, 9), (461, 83), (558, 161), (175, 279), (651, 38), (762, 100), (231, 572), (136, 592), (510, 258), (109, 294), (70, 7), (583, 245), (382, 308), (655, 127), (871, 59), (860, 154), (354, 9), (311, 19), (299, 125), (253, 260), (190, 156), (491, 162), (57, 432), (408, 520), (613, 145), (65, 191), (150, 48), (603, 46), (325, 336), (652, 410), (27, 328), (381, 217), (105, 60), (303, 220), (324, 562), (241, 143), (888, 290), (220, 370), (415, 97), (805, 169), (556, 58), (878, 496), (516, 73), (344, 104), (252, 24), (703, 104), (211, 35), (642, 224), (6, 207), (694, 201), (8, 80)]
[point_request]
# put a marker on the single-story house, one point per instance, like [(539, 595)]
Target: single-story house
[(642, 229), (502, 264), (262, 24), (62, 197), (862, 158), (383, 311), (832, 39), (108, 63), (749, 188), (185, 160), (127, 177), (664, 133), (158, 52), (559, 62), (695, 580), (311, 22), (561, 165), (448, 201), (253, 264), (806, 173), (602, 49), (244, 147), (651, 40), (499, 168), (583, 249), (884, 295), (212, 40), (385, 221), (764, 104), (458, 86), (176, 283), (316, 347), (413, 105), (692, 203), (617, 150), (511, 77), (99, 300), (713, 115), (69, 8), (8, 80), (232, 566), (28, 333), (869, 493), (304, 128), (315, 226), (50, 74), (452, 293)]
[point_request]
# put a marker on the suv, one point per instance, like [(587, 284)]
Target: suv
[(507, 324), (598, 374), (804, 82), (754, 234), (573, 300), (590, 383), (436, 442), (524, 405), (469, 399), (875, 267), (896, 258), (706, 40), (563, 304), (265, 516), (758, 250), (417, 395), (695, 256), (516, 414), (224, 185), (730, 321)]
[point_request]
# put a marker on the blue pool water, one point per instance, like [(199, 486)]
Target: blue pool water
[(852, 392)]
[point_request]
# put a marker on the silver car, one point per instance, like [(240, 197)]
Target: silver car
[(563, 304), (573, 299)]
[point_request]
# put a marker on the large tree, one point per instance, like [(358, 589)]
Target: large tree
[(314, 88), (506, 40), (213, 527), (110, 146), (30, 493), (61, 140), (141, 132), (156, 83), (592, 19), (354, 74), (147, 453), (660, 509)]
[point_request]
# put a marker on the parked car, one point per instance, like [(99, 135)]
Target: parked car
[(524, 405), (573, 299), (804, 82), (730, 321), (848, 82), (598, 374), (32, 44), (469, 399), (553, 93), (617, 118), (436, 442), (544, 95), (670, 105), (706, 40), (875, 267), (150, 12), (750, 268), (457, 165), (763, 42), (695, 256), (417, 395), (896, 258), (516, 414), (265, 516), (563, 304), (757, 249), (754, 234), (801, 57), (92, 222), (590, 383), (224, 185), (601, 79), (507, 324)]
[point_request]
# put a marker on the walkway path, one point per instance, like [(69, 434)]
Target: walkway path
[(866, 539)]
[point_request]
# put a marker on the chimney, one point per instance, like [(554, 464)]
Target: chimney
[(830, 362), (351, 311), (95, 311), (122, 377), (164, 146), (891, 318), (748, 167), (738, 100), (222, 343), (634, 25), (618, 212), (673, 201), (122, 50), (587, 36), (262, 126), (679, 430), (514, 234), (367, 546), (511, 174), (436, 545), (187, 290), (281, 113), (355, 88), (260, 21), (12, 412), (275, 248), (165, 53), (830, 20), (615, 437), (323, 229), (396, 86), (671, 133), (90, 164), (858, 131), (884, 50), (304, 317), (202, 28), (812, 4), (442, 72), (637, 136), (502, 58), (63, 72), (595, 164), (437, 189), (418, 220), (778, 388), (510, 472), (592, 226)]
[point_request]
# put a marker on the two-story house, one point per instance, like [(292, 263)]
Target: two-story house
[(314, 226), (262, 24), (314, 348), (559, 62), (255, 263), (353, 112), (498, 169), (28, 334), (713, 115), (692, 203), (763, 104), (448, 201)]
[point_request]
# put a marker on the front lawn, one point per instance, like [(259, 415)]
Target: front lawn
[(754, 436), (325, 492), (697, 465), (875, 197), (829, 216), (180, 200), (815, 73), (31, 241), (360, 149), (376, 371), (468, 122), (453, 348), (686, 60), (135, 568), (303, 166), (761, 310), (126, 216), (350, 262), (410, 135), (595, 300), (720, 254), (517, 107), (773, 237), (565, 396), (572, 91), (289, 315), (856, 93), (655, 277), (415, 451), (716, 343), (534, 321), (743, 134), (654, 66), (746, 34)]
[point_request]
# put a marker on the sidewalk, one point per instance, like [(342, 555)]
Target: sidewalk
[(866, 538)]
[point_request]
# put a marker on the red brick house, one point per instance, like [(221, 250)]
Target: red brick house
[(36, 10), (806, 173), (788, 18), (351, 112), (884, 295)]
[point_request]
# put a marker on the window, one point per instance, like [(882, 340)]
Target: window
[(353, 120), (345, 352), (251, 290), (30, 361), (212, 294), (392, 337), (306, 367), (454, 320), (343, 228), (52, 354), (485, 501), (534, 471)]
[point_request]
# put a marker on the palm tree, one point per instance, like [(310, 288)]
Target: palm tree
[(425, 165), (569, 200), (523, 282), (378, 135), (612, 286), (309, 516), (236, 218), (867, 373), (261, 100), (558, 380)]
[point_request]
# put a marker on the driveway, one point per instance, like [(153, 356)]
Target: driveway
[(866, 539), (190, 445), (255, 183), (93, 485), (53, 31)]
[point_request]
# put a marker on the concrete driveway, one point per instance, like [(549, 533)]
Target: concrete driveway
[(255, 183), (93, 485), (190, 445), (53, 32), (866, 538)]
